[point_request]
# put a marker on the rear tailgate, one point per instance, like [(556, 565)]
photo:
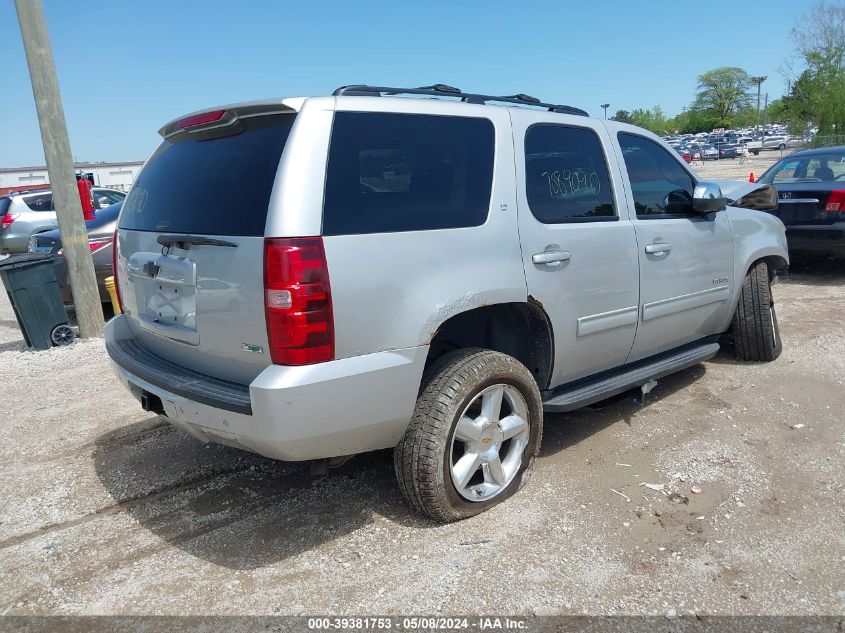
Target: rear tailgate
[(191, 244)]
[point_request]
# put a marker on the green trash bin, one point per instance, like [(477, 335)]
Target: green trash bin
[(30, 281)]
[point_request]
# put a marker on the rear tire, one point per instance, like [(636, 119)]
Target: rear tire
[(470, 386), (755, 324)]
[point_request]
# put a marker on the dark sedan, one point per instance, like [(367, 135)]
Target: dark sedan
[(100, 236), (727, 150), (811, 199)]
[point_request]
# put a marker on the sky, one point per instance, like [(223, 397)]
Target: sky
[(126, 68)]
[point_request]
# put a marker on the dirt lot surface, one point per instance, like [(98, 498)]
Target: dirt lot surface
[(109, 510), (736, 168)]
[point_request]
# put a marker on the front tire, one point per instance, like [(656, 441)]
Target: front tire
[(755, 324), (474, 435)]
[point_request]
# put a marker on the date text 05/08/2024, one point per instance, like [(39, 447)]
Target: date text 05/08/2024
[(417, 623)]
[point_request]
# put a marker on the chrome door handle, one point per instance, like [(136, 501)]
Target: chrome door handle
[(658, 247), (551, 257)]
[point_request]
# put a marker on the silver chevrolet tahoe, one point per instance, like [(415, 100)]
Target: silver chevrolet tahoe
[(425, 270)]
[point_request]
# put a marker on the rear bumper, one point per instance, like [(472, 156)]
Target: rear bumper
[(329, 409), (817, 239), (14, 242)]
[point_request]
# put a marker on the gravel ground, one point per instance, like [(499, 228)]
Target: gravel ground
[(108, 510), (739, 168)]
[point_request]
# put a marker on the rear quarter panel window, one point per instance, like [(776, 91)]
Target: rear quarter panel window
[(218, 185), (407, 172), (41, 202)]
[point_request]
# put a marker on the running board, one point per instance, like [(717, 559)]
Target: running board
[(583, 395)]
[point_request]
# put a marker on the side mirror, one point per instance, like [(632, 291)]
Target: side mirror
[(707, 198)]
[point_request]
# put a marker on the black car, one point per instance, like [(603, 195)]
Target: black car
[(811, 199), (727, 150), (100, 237)]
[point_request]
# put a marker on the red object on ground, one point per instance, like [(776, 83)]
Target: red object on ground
[(84, 186), (751, 177)]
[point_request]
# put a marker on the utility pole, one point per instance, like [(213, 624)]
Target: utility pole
[(51, 119), (766, 110), (605, 106), (759, 81)]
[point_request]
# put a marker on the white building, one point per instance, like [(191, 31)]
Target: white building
[(114, 175)]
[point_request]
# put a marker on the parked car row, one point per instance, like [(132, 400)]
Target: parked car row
[(26, 213), (734, 143)]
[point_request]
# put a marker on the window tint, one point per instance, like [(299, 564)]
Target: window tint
[(785, 172), (41, 202), (812, 168), (660, 185), (407, 172), (210, 184), (104, 198), (566, 176), (5, 203)]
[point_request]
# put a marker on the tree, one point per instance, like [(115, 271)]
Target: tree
[(723, 92), (623, 116), (818, 93), (653, 119)]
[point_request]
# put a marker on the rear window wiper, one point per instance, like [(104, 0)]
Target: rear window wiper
[(186, 241)]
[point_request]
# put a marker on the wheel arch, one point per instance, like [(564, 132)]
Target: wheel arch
[(519, 329)]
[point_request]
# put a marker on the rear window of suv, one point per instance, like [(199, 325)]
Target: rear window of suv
[(407, 172), (213, 186)]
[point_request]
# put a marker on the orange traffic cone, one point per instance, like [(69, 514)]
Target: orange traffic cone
[(751, 177)]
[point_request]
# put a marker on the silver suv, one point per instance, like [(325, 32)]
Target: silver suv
[(27, 213), (311, 278)]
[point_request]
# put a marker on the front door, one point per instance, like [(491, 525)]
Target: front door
[(686, 259), (578, 245)]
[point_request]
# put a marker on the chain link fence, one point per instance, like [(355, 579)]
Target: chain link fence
[(829, 140)]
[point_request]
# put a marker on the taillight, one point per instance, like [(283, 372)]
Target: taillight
[(835, 201), (6, 220), (114, 271), (200, 119), (93, 246), (96, 245), (297, 301)]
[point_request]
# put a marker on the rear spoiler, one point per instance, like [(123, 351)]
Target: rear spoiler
[(222, 117)]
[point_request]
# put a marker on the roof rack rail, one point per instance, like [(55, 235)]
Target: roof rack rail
[(443, 90)]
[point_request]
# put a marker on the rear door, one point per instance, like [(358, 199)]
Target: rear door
[(579, 249), (685, 259), (191, 245)]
